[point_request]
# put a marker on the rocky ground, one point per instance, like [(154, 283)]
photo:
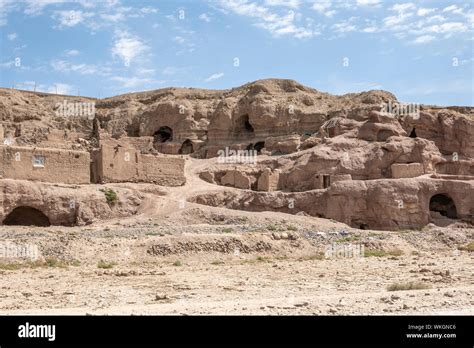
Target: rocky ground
[(206, 260)]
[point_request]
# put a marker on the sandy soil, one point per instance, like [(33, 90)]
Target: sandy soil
[(194, 259), (233, 273)]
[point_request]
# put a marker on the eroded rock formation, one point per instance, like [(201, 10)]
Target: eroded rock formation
[(271, 141)]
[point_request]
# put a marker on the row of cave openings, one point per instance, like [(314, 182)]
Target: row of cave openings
[(29, 216), (242, 128), (165, 134)]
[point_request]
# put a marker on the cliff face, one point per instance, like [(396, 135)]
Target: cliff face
[(251, 112), (211, 119), (342, 157)]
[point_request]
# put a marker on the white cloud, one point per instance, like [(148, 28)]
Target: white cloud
[(148, 10), (6, 6), (71, 52), (436, 18), (171, 70), (277, 25), (322, 6), (372, 29), (286, 3), (344, 27), (214, 77), (12, 36), (116, 17), (445, 28), (453, 9), (204, 17), (424, 39), (35, 7), (368, 2), (179, 39), (145, 71), (66, 67), (129, 82), (59, 88), (424, 11), (127, 46), (403, 7), (71, 18)]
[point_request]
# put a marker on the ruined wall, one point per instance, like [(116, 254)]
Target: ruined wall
[(167, 171), (408, 170), (461, 167), (60, 166), (124, 163), (268, 180)]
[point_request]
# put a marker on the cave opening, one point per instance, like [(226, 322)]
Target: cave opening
[(186, 148), (326, 181), (413, 133), (444, 205), (26, 216), (259, 146), (243, 126), (248, 126), (163, 134)]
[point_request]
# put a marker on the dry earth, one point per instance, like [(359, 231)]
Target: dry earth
[(195, 259)]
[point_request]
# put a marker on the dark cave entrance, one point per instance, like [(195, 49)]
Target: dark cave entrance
[(326, 181), (163, 134), (444, 205), (26, 216), (243, 127), (259, 146), (413, 133), (186, 148)]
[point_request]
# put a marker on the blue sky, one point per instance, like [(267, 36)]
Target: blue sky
[(421, 51)]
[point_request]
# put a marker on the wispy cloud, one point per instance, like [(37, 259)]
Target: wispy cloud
[(64, 66), (276, 24), (135, 82), (71, 53), (204, 17), (71, 18), (35, 7), (286, 3), (424, 39), (214, 77)]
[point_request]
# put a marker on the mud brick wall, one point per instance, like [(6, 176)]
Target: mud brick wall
[(60, 166)]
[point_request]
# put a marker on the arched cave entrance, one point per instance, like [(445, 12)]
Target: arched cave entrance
[(413, 133), (163, 134), (444, 205), (259, 146), (186, 148), (243, 127), (27, 216)]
